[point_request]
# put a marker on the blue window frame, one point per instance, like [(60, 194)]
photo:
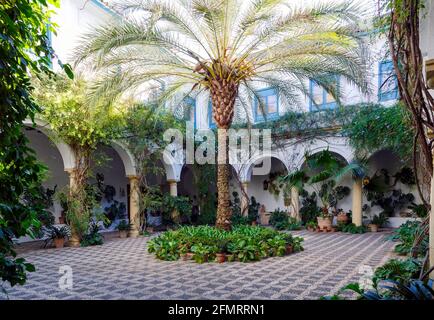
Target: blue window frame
[(387, 82), (270, 101), (190, 110), (211, 121), (320, 98)]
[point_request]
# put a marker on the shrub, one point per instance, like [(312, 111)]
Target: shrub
[(93, 237), (406, 235), (279, 219), (352, 228), (398, 270), (242, 243)]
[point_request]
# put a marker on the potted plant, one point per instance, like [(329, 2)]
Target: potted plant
[(311, 225), (377, 222), (324, 219), (342, 217), (221, 251), (58, 234), (253, 211), (123, 228)]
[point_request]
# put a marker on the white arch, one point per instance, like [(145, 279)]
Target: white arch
[(64, 149), (172, 166), (246, 174), (345, 152), (126, 157)]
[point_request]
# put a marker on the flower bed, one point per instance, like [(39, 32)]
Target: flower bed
[(242, 243)]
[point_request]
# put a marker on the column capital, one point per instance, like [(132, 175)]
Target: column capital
[(170, 181), (132, 177)]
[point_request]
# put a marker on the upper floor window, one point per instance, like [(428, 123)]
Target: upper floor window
[(270, 103), (211, 122), (387, 82), (320, 98)]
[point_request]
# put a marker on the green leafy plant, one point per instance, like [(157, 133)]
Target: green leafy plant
[(352, 228), (242, 243), (123, 225), (406, 234), (398, 270), (24, 48), (380, 219), (93, 237)]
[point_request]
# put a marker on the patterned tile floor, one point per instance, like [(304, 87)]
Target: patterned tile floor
[(122, 269)]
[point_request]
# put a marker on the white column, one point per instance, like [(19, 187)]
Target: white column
[(173, 189), (173, 185), (134, 206), (357, 202), (74, 240), (295, 203), (245, 198)]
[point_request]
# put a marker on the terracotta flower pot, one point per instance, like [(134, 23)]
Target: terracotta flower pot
[(373, 227), (123, 234), (324, 223), (254, 223), (220, 257), (289, 249), (59, 242), (342, 218), (61, 220), (189, 255)]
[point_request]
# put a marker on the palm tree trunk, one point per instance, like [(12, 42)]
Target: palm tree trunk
[(223, 95), (224, 212)]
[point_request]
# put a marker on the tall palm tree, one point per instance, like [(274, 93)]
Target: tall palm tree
[(228, 49)]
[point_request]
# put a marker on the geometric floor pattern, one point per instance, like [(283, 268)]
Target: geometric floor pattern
[(123, 269)]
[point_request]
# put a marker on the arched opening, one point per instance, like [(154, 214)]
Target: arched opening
[(345, 183), (110, 180), (390, 188), (265, 187), (49, 155)]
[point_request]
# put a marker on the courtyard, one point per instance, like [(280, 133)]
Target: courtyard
[(123, 269)]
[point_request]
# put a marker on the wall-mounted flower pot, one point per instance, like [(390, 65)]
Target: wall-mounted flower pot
[(59, 242)]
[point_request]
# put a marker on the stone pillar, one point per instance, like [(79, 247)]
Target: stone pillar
[(74, 240), (245, 198), (357, 202), (173, 189), (295, 203), (134, 206), (173, 185)]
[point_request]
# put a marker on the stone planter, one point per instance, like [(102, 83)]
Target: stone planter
[(373, 227), (123, 234), (220, 257), (59, 242), (324, 223)]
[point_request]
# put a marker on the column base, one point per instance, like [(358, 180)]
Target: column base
[(133, 233), (74, 242)]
